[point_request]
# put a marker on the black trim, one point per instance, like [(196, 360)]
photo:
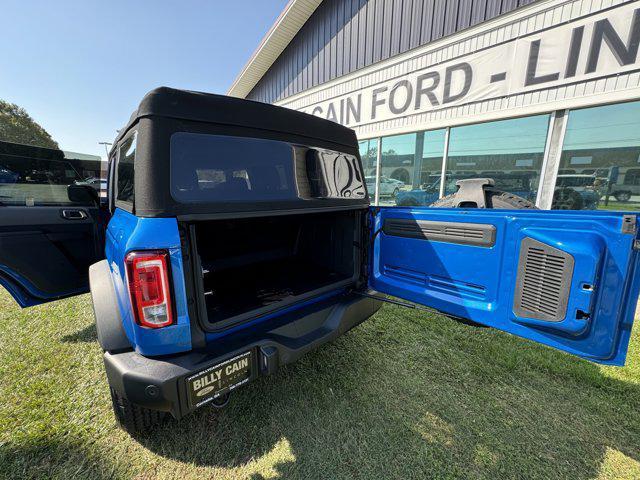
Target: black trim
[(194, 286), (301, 210), (220, 109), (277, 344), (111, 335), (476, 234), (166, 111)]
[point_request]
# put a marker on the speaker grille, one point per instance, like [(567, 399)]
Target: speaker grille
[(543, 282)]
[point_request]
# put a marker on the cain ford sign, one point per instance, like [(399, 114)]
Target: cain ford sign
[(603, 44)]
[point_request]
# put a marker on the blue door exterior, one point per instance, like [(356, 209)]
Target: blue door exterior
[(566, 279)]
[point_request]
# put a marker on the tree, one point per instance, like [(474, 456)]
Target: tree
[(17, 126)]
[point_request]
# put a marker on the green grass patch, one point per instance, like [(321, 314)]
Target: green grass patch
[(404, 395)]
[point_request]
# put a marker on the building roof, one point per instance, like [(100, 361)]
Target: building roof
[(81, 156), (286, 26)]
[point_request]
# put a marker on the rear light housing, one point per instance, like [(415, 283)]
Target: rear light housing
[(149, 287)]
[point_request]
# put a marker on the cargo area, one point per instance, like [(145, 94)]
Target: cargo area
[(252, 266)]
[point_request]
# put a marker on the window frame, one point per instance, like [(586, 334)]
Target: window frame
[(124, 204), (111, 175)]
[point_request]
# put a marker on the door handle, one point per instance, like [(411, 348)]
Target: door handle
[(74, 214)]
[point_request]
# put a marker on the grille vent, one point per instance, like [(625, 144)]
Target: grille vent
[(478, 234), (544, 281)]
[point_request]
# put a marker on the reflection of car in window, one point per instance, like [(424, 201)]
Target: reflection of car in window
[(517, 183), (389, 187), (7, 176), (629, 186), (94, 182), (578, 192)]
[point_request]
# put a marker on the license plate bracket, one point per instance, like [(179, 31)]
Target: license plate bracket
[(214, 381)]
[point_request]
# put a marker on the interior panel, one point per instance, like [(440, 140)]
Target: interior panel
[(253, 265), (556, 277)]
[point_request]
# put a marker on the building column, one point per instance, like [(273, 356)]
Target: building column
[(551, 161), (417, 160), (376, 200), (445, 160)]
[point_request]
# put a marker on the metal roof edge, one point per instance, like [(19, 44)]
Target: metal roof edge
[(287, 25)]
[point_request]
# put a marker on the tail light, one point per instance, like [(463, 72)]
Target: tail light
[(149, 287)]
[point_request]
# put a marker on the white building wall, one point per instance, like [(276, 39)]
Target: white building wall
[(499, 46)]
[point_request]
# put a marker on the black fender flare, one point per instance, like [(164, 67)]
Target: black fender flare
[(111, 335)]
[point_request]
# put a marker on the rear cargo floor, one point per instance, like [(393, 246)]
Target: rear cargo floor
[(239, 290)]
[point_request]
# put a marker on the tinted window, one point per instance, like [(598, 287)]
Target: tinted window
[(215, 168), (126, 160), (397, 162), (31, 176), (413, 163), (632, 177), (509, 151), (369, 156), (600, 156)]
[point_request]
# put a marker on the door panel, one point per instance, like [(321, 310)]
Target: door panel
[(44, 253), (50, 225), (561, 278)]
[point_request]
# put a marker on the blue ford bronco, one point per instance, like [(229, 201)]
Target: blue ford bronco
[(237, 236)]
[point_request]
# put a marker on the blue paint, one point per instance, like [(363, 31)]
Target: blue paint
[(468, 281), (126, 233), (478, 283)]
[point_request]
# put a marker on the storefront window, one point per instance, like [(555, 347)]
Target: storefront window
[(600, 163), (509, 151), (369, 154), (411, 166), (396, 166)]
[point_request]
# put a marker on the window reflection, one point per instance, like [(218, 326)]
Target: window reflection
[(509, 151), (600, 163), (368, 155), (599, 167), (33, 176), (411, 167)]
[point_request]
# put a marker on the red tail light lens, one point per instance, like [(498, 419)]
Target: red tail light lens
[(149, 288)]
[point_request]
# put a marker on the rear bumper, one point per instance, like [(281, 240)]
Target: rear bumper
[(160, 383)]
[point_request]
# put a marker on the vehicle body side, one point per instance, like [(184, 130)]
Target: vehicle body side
[(126, 233)]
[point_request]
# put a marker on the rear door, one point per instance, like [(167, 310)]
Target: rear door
[(47, 239), (566, 279)]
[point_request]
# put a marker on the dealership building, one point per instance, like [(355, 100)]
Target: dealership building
[(542, 96)]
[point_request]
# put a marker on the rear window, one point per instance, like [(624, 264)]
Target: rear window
[(216, 168)]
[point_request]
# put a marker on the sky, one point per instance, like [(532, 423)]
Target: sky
[(81, 67)]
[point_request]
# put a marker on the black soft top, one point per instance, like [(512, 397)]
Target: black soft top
[(165, 111), (211, 108)]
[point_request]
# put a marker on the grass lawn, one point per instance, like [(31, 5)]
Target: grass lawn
[(619, 206), (405, 395)]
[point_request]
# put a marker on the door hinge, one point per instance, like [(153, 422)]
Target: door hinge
[(629, 224)]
